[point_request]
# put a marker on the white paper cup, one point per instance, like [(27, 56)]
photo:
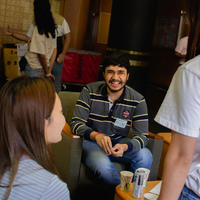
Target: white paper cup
[(125, 180)]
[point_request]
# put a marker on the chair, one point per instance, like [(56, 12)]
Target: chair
[(166, 136), (68, 152)]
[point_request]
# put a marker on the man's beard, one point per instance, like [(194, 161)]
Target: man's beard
[(114, 91)]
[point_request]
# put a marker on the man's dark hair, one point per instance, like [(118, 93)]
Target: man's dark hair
[(116, 58)]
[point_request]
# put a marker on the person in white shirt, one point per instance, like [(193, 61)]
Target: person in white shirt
[(180, 112), (63, 41), (41, 37)]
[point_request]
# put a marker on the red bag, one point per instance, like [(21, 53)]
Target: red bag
[(71, 68), (90, 68), (81, 67)]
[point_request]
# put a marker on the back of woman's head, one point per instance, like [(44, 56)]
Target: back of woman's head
[(25, 103), (43, 18)]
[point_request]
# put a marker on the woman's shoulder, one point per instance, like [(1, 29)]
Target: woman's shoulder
[(29, 169), (32, 179)]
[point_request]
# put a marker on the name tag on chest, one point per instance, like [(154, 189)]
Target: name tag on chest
[(120, 123)]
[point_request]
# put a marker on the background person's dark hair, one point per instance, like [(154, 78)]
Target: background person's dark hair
[(25, 103), (192, 8), (116, 58), (43, 18)]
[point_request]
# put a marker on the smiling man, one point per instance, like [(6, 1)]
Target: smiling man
[(104, 114)]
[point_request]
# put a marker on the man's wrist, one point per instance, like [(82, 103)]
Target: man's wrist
[(93, 135), (97, 133)]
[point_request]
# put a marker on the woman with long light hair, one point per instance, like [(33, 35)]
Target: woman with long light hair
[(31, 119)]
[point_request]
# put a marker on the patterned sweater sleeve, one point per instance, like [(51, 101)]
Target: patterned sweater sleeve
[(81, 115), (139, 137)]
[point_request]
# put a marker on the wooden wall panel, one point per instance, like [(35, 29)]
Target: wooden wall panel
[(104, 21), (106, 6), (164, 62), (76, 13), (103, 29)]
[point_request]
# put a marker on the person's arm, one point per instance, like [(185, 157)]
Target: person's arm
[(19, 36), (176, 165), (43, 61), (181, 47), (52, 59), (79, 124), (103, 141), (81, 115), (67, 39), (79, 121), (119, 149), (139, 127)]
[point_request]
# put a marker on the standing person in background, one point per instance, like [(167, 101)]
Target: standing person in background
[(42, 50), (41, 36), (63, 42), (31, 119), (188, 47), (180, 112)]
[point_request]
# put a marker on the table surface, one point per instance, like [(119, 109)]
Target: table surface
[(127, 195)]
